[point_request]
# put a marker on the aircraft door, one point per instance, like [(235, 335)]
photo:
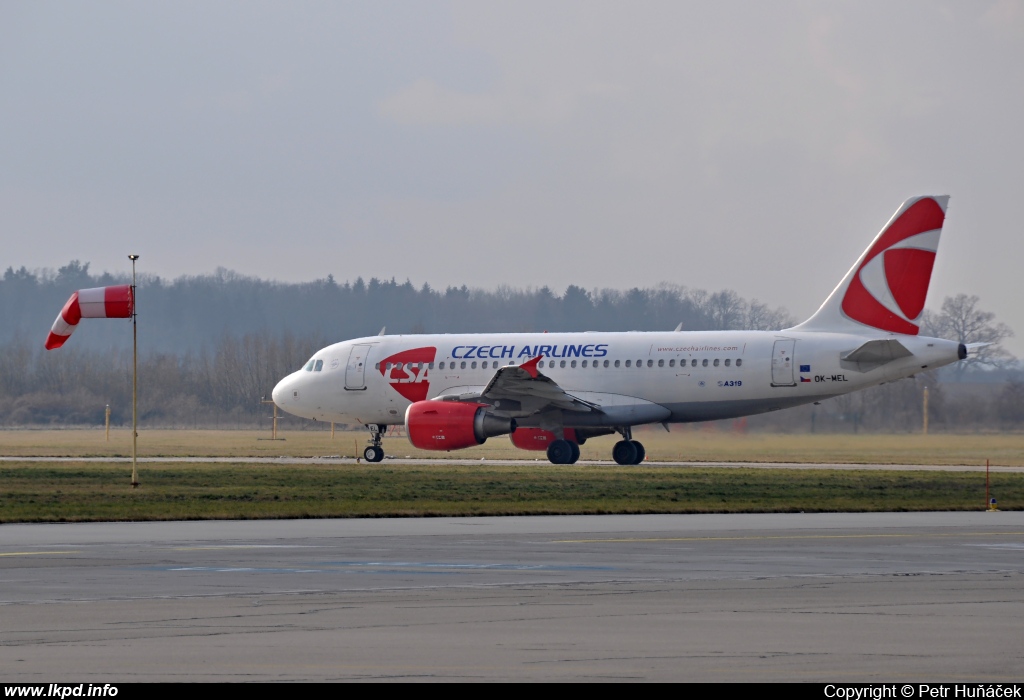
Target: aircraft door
[(355, 371), (782, 363)]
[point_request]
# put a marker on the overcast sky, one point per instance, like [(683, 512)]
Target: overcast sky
[(754, 146)]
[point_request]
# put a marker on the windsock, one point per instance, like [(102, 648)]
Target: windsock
[(100, 302)]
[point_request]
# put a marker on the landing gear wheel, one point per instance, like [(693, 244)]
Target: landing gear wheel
[(624, 452), (640, 452), (575, 452), (374, 452), (560, 452)]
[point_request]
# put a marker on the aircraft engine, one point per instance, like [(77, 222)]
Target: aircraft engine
[(451, 425), (538, 439)]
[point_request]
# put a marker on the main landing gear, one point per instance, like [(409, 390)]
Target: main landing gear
[(374, 452), (563, 452), (628, 451)]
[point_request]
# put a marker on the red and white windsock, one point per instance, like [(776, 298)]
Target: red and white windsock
[(100, 302)]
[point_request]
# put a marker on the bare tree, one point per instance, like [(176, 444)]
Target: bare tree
[(760, 317), (1010, 402), (960, 319)]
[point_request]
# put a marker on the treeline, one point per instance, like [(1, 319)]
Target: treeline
[(190, 313), (211, 347), (898, 407), (223, 387)]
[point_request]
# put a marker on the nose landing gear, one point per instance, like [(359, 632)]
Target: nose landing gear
[(374, 452)]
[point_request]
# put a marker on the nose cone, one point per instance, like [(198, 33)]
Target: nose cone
[(281, 391)]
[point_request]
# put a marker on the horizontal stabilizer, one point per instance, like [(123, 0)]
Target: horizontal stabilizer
[(875, 353)]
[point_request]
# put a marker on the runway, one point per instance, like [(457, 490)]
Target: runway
[(777, 597), (338, 460)]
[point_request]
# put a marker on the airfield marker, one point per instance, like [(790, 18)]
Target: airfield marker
[(989, 502), (135, 381)]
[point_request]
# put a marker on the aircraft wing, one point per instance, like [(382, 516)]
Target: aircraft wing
[(523, 388)]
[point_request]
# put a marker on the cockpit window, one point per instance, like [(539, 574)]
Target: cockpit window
[(318, 366), (309, 366)]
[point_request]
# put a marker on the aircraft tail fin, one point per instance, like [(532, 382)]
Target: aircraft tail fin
[(886, 288)]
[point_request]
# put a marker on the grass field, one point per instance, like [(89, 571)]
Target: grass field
[(82, 491), (684, 443), (57, 492)]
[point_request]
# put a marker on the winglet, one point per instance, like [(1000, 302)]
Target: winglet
[(531, 366)]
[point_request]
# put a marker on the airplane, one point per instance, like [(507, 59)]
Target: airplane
[(554, 391)]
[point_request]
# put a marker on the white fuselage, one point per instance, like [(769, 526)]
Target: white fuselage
[(635, 377)]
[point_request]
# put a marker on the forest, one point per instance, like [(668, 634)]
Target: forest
[(211, 347)]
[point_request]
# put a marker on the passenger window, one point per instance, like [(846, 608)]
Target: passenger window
[(727, 362), (473, 366), (430, 366), (693, 363), (671, 363), (628, 362), (441, 366), (650, 363), (739, 362), (318, 366), (462, 365), (704, 362), (606, 363), (483, 364), (639, 363), (573, 364), (376, 366), (583, 364), (562, 364), (716, 362)]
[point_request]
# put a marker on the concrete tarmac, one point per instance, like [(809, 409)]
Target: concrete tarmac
[(915, 597)]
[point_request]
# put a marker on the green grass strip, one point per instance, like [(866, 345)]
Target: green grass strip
[(75, 492)]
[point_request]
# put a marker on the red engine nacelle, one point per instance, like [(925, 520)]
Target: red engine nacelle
[(451, 425), (537, 439)]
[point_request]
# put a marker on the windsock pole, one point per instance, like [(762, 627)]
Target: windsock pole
[(135, 382)]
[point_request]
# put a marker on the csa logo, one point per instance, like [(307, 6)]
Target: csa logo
[(407, 372), (888, 291)]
